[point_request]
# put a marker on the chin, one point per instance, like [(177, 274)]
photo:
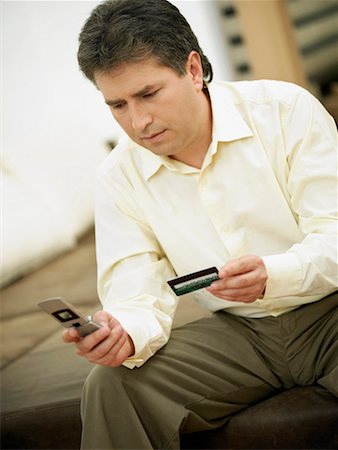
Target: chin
[(160, 152)]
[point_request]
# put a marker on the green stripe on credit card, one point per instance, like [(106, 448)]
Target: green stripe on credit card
[(193, 281)]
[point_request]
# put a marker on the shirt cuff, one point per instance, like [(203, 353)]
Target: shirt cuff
[(142, 355), (148, 336), (284, 275)]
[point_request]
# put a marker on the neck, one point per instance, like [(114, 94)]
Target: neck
[(195, 155)]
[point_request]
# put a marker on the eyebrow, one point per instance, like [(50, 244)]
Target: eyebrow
[(140, 93)]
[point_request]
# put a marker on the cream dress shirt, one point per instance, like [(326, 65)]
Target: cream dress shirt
[(268, 187)]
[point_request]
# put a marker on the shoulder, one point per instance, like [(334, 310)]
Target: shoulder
[(121, 163), (280, 100), (116, 157), (265, 91)]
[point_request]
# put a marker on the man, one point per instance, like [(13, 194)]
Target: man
[(241, 176)]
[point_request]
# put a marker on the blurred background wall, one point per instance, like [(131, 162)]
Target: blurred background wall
[(291, 40), (42, 86)]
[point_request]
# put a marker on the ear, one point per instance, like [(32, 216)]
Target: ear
[(195, 70)]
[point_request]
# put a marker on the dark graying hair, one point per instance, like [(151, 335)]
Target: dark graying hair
[(120, 31)]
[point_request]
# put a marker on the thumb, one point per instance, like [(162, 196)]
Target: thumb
[(113, 322), (102, 317)]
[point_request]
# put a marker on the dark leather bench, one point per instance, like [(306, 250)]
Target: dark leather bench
[(41, 378), (44, 412), (300, 418)]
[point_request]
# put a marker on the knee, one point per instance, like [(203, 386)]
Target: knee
[(102, 380)]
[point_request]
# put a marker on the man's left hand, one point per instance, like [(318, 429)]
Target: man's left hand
[(241, 280)]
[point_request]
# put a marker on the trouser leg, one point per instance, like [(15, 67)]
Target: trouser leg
[(208, 371), (311, 339), (326, 367), (309, 344)]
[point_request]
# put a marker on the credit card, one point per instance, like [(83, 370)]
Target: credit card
[(193, 281)]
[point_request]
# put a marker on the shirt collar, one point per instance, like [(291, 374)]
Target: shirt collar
[(228, 125)]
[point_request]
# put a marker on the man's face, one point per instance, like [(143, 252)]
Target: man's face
[(159, 109)]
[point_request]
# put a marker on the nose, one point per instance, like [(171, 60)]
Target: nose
[(140, 117)]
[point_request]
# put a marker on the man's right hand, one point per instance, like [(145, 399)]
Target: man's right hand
[(108, 346)]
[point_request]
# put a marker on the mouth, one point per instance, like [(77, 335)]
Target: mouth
[(155, 137)]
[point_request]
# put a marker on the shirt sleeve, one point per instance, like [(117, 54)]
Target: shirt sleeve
[(132, 267), (309, 268)]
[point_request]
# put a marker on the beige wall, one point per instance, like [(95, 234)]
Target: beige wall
[(270, 40)]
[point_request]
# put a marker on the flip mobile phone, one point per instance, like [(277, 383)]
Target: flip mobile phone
[(68, 316)]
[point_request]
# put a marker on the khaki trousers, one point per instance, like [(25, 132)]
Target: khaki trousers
[(209, 370)]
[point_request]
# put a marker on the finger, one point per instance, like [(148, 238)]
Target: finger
[(239, 295), (102, 317), (70, 335), (250, 292), (240, 265), (122, 354), (90, 341), (235, 282), (117, 354), (113, 323), (107, 346)]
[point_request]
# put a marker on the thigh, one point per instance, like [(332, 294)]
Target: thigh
[(209, 370)]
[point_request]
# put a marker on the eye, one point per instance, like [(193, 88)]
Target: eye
[(150, 94), (117, 106)]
